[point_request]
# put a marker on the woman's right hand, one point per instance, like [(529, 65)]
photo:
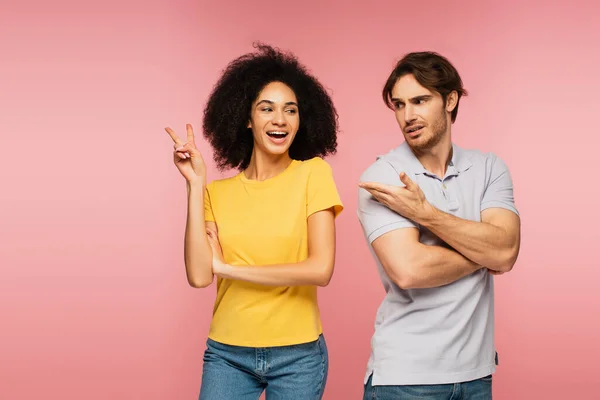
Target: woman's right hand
[(187, 158)]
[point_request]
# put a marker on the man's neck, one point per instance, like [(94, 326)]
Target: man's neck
[(437, 159)]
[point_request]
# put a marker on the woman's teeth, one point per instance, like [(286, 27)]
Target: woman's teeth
[(277, 134)]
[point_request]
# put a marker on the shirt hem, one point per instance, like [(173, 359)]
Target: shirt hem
[(499, 204), (426, 378), (268, 343), (388, 228)]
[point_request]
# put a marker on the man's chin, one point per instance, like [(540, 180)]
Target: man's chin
[(421, 147), (416, 141)]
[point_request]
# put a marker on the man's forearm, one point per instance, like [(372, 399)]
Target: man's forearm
[(433, 266), (414, 265), (483, 243)]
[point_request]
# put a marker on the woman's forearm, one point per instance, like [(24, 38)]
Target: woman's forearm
[(197, 250)]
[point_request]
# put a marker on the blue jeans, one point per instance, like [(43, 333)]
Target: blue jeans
[(296, 372), (479, 389)]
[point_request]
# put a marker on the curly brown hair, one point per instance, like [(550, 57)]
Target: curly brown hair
[(227, 112)]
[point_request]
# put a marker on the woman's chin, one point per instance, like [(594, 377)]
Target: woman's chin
[(276, 150)]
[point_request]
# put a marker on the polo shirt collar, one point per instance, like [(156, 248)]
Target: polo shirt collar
[(460, 160)]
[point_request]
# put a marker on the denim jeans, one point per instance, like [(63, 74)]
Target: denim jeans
[(296, 372), (479, 389)]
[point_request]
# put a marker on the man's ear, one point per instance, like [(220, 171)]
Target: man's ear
[(451, 101)]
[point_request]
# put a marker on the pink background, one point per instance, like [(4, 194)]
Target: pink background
[(93, 298)]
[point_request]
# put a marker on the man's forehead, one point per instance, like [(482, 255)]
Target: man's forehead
[(408, 87)]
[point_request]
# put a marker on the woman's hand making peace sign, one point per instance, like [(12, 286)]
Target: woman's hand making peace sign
[(187, 158)]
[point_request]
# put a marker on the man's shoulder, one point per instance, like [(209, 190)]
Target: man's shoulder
[(483, 161), (388, 165), (477, 156)]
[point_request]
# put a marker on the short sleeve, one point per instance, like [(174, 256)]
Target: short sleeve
[(322, 192), (208, 209), (375, 218), (498, 191)]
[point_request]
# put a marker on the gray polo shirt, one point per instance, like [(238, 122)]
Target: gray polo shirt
[(444, 334)]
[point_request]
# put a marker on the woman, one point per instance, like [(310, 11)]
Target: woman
[(267, 233)]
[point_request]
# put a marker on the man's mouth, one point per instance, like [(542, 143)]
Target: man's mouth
[(414, 130)]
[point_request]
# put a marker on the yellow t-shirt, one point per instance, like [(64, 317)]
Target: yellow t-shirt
[(264, 223)]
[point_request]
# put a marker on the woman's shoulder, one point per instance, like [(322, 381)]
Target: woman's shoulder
[(222, 183), (316, 164)]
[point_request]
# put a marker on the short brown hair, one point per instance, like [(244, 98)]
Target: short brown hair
[(432, 71)]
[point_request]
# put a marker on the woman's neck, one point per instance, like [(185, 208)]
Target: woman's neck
[(265, 166)]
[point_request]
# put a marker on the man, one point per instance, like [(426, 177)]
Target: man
[(440, 221)]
